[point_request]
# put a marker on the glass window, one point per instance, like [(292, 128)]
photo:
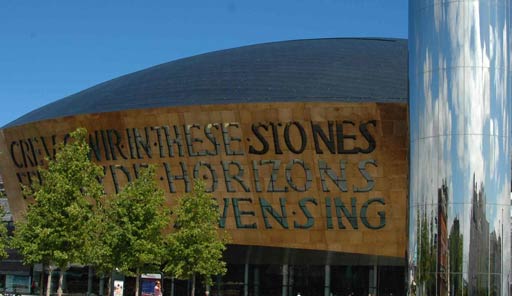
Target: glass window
[(17, 283)]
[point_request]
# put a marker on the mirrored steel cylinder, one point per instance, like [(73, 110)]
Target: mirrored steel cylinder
[(460, 163)]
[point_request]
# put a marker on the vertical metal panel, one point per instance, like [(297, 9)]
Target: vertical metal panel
[(460, 108)]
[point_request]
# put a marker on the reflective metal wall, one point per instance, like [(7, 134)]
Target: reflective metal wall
[(459, 207)]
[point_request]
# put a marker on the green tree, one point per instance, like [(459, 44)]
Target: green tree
[(195, 247), (137, 219), (4, 239), (56, 224), (98, 249)]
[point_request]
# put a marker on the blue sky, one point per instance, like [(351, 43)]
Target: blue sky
[(51, 49)]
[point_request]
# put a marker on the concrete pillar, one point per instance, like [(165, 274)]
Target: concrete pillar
[(101, 291), (172, 286), (373, 280), (284, 285), (327, 280), (256, 281), (246, 279), (89, 280)]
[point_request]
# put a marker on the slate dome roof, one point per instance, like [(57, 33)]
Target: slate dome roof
[(337, 69)]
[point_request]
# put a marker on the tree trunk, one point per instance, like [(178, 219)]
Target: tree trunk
[(61, 279), (49, 280), (109, 286), (193, 293), (41, 281), (137, 282)]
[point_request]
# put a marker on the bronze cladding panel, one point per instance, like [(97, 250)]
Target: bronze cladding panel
[(236, 128)]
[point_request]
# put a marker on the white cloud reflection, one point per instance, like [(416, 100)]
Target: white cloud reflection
[(462, 108)]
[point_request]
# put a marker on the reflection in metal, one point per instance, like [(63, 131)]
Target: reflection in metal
[(459, 207)]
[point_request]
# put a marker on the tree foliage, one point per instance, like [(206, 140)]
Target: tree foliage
[(98, 249), (136, 220), (196, 245), (56, 223), (4, 239), (56, 226)]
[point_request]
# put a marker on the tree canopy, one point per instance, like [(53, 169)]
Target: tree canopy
[(136, 219), (196, 245), (4, 239), (56, 224), (71, 221)]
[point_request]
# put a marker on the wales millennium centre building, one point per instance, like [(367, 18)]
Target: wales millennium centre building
[(343, 166)]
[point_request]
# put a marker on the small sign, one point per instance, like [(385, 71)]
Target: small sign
[(118, 288), (151, 284), (151, 276)]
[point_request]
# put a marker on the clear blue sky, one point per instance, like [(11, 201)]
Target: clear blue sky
[(51, 49)]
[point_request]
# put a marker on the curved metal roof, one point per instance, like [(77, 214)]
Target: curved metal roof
[(338, 69)]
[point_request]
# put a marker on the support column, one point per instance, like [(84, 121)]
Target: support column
[(101, 291), (256, 281), (64, 280), (172, 286), (246, 279), (290, 280), (327, 280), (373, 280), (219, 286), (284, 285), (460, 149), (89, 280)]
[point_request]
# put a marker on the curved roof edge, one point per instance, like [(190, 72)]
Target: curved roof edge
[(306, 70)]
